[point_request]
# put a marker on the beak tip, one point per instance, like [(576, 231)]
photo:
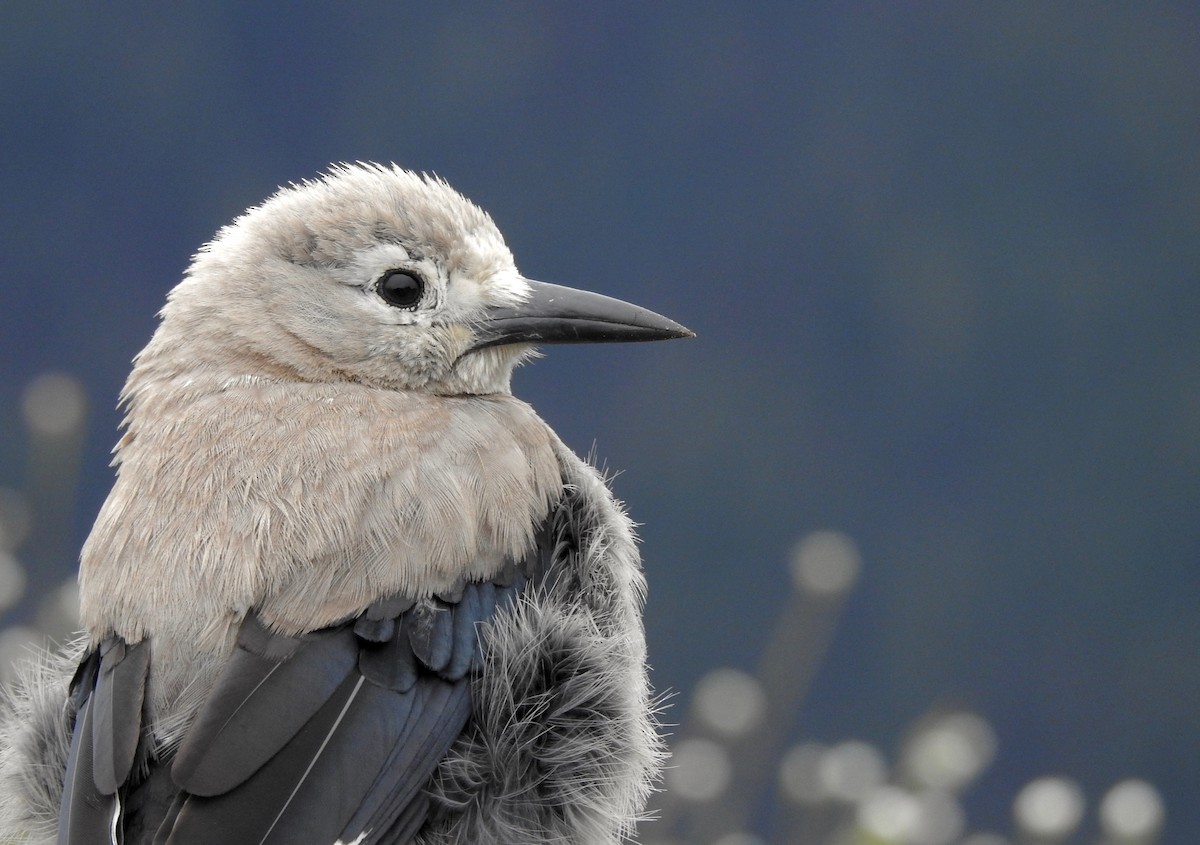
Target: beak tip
[(658, 327), (676, 332)]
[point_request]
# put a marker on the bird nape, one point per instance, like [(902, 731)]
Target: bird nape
[(346, 588)]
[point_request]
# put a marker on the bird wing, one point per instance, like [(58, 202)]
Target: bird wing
[(108, 696), (322, 737)]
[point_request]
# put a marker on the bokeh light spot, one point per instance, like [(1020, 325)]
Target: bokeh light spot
[(825, 563), (698, 770), (851, 770), (730, 702), (54, 405), (1132, 810), (1049, 807)]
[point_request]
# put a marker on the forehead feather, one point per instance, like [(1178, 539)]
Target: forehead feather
[(325, 221)]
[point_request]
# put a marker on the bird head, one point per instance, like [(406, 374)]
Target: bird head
[(375, 275)]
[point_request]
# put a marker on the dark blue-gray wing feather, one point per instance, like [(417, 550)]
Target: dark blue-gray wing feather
[(108, 696)]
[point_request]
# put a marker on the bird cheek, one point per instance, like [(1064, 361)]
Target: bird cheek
[(460, 338)]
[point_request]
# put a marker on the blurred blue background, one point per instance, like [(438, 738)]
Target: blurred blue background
[(942, 260)]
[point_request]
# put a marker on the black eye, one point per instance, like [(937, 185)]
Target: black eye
[(400, 288)]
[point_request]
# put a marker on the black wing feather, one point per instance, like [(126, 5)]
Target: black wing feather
[(438, 721), (260, 704), (107, 693), (252, 812), (86, 814), (369, 748), (465, 636), (431, 634), (390, 664), (117, 711)]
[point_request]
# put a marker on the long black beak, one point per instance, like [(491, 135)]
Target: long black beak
[(557, 314)]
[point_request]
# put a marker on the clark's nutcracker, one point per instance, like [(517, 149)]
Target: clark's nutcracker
[(346, 588)]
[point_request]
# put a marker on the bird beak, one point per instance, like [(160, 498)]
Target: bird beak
[(557, 314)]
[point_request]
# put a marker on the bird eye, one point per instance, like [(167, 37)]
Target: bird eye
[(401, 289)]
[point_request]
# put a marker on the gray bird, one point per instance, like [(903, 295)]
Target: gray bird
[(346, 588)]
